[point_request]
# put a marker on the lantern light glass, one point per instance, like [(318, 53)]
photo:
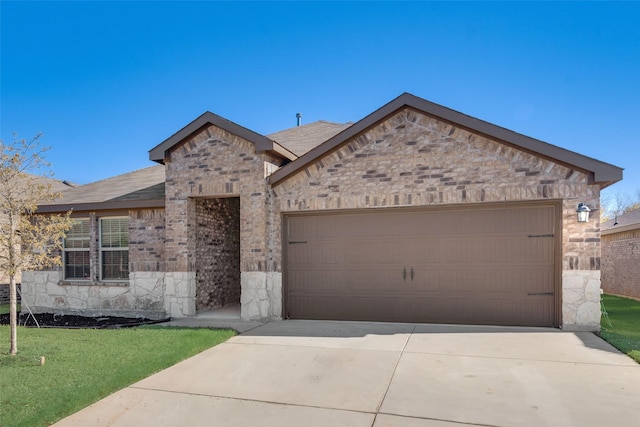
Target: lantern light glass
[(583, 212)]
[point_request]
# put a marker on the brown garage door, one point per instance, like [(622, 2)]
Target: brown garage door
[(478, 265)]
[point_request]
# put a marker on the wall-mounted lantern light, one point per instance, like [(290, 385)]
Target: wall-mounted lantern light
[(583, 212)]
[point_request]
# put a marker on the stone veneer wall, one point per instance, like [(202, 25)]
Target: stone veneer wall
[(621, 263), (215, 163), (44, 292), (217, 253), (143, 295), (411, 159)]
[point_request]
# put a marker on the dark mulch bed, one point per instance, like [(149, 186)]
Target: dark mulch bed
[(48, 320)]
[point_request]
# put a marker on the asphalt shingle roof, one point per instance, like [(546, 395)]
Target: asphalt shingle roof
[(620, 221), (302, 139), (56, 185), (142, 184), (149, 183)]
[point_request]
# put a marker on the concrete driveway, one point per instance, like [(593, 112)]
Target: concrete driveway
[(315, 373)]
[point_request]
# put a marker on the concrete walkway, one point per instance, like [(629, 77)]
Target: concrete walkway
[(315, 373), (227, 317)]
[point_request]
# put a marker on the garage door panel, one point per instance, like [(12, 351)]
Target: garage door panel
[(476, 265), (442, 309), (364, 280), (483, 249), (373, 251), (502, 278), (303, 254), (332, 307)]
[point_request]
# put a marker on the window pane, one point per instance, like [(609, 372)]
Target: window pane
[(114, 232), (76, 265), (115, 265), (78, 236)]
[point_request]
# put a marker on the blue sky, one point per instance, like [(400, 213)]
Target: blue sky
[(107, 81)]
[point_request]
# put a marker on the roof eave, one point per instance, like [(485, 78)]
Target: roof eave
[(101, 206), (620, 229), (274, 148)]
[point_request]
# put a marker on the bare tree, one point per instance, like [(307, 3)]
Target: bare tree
[(618, 203), (27, 241)]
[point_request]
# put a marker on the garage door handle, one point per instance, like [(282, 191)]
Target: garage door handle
[(540, 293), (404, 274), (297, 243), (412, 274)]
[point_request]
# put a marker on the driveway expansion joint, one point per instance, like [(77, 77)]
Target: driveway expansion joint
[(312, 346), (521, 359), (393, 374), (241, 399), (462, 423)]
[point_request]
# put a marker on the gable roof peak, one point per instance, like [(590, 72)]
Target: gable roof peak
[(261, 142), (599, 172)]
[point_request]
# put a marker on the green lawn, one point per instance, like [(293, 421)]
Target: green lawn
[(85, 365), (4, 308), (624, 331)]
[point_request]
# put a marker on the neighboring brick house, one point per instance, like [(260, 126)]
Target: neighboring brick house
[(414, 213), (621, 255)]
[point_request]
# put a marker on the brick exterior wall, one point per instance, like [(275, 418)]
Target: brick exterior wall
[(217, 253), (411, 159), (621, 263), (146, 240), (4, 278), (4, 293)]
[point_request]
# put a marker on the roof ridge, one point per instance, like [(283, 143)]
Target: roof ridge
[(331, 123), (309, 124)]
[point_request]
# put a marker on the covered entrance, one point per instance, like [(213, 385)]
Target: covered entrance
[(217, 253)]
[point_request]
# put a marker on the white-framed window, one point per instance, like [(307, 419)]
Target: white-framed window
[(77, 251), (96, 249), (114, 248)]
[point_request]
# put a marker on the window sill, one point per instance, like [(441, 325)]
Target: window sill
[(92, 283)]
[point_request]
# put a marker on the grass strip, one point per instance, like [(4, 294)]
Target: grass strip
[(83, 366), (4, 308), (624, 331)]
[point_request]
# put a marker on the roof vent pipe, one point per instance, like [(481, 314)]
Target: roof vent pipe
[(299, 117)]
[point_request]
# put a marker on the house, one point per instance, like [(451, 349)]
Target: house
[(415, 213), (621, 255)]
